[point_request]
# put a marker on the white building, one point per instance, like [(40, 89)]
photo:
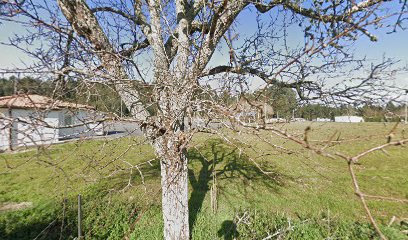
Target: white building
[(349, 119), (323, 120), (298, 120), (27, 120), (251, 111)]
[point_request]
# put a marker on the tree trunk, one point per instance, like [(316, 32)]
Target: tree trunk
[(174, 182)]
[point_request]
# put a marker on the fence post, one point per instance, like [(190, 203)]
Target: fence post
[(79, 218)]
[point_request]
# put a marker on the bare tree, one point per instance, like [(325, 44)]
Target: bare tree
[(156, 55)]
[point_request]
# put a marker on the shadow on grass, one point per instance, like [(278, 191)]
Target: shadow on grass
[(228, 230), (104, 213), (223, 163), (37, 224), (106, 216)]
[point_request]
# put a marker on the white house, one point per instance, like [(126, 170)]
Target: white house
[(349, 119), (247, 110), (27, 120), (298, 120), (323, 120)]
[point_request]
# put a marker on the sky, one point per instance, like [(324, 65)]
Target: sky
[(388, 45), (9, 56), (394, 46)]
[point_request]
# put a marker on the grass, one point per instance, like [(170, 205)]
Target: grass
[(306, 196)]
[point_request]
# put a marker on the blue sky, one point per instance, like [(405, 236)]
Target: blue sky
[(9, 56), (393, 46), (389, 45)]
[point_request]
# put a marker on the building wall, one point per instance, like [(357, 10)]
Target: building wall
[(32, 127), (82, 122), (323, 120), (4, 130), (348, 119), (35, 127)]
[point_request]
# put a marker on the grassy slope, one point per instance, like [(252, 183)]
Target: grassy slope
[(303, 186)]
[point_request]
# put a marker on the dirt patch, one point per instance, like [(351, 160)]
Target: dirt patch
[(12, 206)]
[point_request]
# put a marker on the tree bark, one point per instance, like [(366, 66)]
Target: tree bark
[(174, 182)]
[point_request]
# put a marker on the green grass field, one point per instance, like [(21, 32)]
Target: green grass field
[(305, 196)]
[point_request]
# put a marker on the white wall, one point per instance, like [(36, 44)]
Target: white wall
[(35, 127), (348, 119), (84, 121), (323, 120), (38, 128), (4, 130)]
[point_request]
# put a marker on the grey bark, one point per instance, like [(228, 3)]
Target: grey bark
[(174, 182)]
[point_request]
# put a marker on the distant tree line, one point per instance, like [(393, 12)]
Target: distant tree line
[(283, 100), (370, 112), (14, 85), (100, 96), (285, 104)]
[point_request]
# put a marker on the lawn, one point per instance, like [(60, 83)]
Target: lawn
[(304, 195)]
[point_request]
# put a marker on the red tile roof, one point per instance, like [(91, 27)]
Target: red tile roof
[(38, 102)]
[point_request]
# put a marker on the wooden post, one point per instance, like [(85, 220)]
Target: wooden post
[(10, 127), (406, 107), (266, 118), (79, 218), (15, 91), (121, 108)]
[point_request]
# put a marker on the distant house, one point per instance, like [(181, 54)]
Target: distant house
[(27, 120), (349, 119), (298, 120), (250, 111), (323, 120)]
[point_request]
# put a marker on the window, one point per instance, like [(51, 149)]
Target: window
[(67, 120)]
